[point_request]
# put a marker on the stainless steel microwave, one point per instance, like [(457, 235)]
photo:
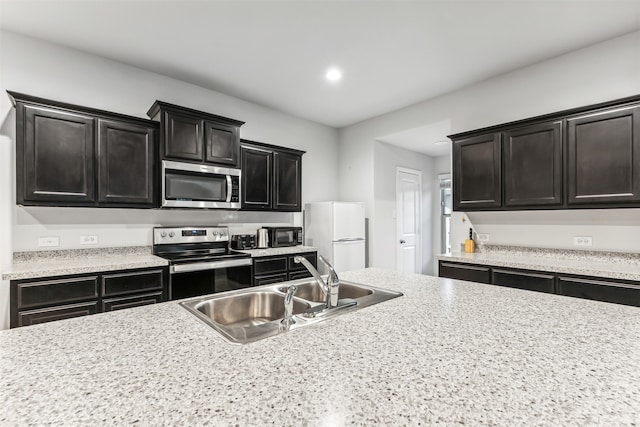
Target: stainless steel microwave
[(191, 185)]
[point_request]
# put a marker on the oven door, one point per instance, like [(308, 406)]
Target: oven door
[(188, 185), (204, 278)]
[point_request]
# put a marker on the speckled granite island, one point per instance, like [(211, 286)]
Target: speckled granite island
[(448, 352)]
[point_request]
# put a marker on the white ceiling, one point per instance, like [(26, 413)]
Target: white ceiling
[(275, 53)]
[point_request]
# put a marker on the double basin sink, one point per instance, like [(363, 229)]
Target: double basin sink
[(253, 314)]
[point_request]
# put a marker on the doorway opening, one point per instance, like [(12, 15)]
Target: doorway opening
[(446, 206)]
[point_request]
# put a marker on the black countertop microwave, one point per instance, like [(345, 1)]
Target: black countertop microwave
[(284, 236)]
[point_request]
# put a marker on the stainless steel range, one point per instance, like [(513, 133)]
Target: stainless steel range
[(200, 261)]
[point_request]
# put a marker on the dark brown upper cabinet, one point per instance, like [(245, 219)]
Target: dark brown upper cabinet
[(533, 165), (196, 136), (182, 136), (604, 157), (287, 181), (54, 156), (477, 172), (271, 177), (587, 157), (69, 155), (125, 163)]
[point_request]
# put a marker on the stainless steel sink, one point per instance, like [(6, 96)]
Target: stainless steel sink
[(311, 291), (249, 315), (248, 309)]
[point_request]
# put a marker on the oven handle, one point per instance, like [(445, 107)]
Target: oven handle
[(211, 265), (229, 189)]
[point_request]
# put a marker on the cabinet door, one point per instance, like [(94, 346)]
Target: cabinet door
[(600, 290), (267, 280), (121, 303), (604, 157), (256, 178), (55, 151), (312, 257), (533, 165), (477, 173), (287, 181), (136, 282), (40, 293), (269, 265), (529, 281), (32, 317), (183, 136), (302, 274), (125, 163), (222, 143), (472, 273)]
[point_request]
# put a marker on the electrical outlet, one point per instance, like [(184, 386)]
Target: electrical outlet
[(582, 241), (88, 240), (482, 237), (48, 241)]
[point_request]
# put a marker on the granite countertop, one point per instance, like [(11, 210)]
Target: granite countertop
[(614, 265), (447, 352), (29, 265), (278, 251)]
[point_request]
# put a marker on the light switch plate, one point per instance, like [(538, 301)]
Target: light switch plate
[(88, 240), (48, 241), (583, 241), (482, 237)]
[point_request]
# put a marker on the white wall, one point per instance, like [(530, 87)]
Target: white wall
[(386, 158), (54, 72), (598, 73)]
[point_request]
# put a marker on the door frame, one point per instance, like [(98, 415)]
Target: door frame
[(419, 227)]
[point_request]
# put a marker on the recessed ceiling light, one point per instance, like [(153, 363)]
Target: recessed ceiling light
[(333, 74)]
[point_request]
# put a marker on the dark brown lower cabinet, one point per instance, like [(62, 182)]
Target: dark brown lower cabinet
[(113, 304), (267, 280), (588, 287), (55, 298), (523, 280), (472, 273), (33, 317), (600, 290), (280, 268)]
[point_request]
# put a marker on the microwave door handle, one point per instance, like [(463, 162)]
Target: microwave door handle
[(229, 188)]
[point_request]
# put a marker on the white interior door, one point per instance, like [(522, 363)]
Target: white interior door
[(408, 220)]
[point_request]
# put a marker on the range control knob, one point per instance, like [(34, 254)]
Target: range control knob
[(163, 234), (215, 233), (171, 234)]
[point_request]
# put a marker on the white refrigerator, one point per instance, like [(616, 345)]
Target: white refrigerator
[(337, 229)]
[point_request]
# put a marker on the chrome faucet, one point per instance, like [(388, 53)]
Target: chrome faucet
[(331, 286), (288, 320)]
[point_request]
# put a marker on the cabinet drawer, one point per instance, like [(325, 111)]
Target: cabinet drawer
[(126, 283), (33, 317), (113, 304), (600, 290), (523, 280), (49, 292), (299, 274), (267, 280), (269, 265), (471, 273), (311, 256)]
